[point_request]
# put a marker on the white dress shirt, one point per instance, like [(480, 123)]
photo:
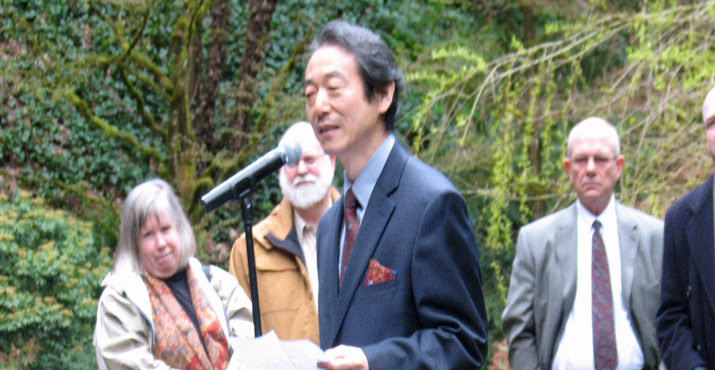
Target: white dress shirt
[(575, 350)]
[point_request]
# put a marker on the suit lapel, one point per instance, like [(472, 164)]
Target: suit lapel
[(566, 244), (629, 241), (328, 266), (377, 214), (699, 232)]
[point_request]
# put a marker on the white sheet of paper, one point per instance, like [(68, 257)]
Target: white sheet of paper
[(269, 352)]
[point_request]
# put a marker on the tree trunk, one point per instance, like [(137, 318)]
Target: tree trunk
[(527, 7), (181, 152), (257, 37), (208, 86)]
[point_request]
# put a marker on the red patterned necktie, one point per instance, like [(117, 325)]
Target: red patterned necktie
[(352, 225), (605, 355)]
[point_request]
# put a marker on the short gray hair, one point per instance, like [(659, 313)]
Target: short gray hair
[(709, 101), (297, 132), (150, 198), (597, 124)]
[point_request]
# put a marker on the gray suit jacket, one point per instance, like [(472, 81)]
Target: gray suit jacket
[(543, 284)]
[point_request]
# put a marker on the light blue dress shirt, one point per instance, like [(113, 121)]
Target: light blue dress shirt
[(365, 182)]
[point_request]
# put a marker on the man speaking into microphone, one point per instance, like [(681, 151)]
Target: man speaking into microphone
[(400, 283)]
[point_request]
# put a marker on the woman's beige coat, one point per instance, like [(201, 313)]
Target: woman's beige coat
[(124, 333)]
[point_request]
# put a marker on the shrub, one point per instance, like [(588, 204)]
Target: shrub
[(49, 283)]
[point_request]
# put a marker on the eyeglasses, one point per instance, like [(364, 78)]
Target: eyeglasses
[(308, 161), (599, 160)]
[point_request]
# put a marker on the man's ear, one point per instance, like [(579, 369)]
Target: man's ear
[(384, 97), (620, 160)]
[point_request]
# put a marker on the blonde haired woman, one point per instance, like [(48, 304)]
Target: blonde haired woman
[(160, 307)]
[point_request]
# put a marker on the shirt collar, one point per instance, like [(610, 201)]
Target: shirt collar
[(607, 218), (367, 178), (300, 224)]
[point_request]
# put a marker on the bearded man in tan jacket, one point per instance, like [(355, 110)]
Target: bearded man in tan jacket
[(285, 250)]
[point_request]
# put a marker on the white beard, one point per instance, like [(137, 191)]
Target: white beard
[(306, 191)]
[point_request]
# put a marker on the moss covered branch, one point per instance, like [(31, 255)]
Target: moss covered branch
[(110, 130)]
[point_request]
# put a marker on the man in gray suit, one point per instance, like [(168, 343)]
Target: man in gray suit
[(585, 280)]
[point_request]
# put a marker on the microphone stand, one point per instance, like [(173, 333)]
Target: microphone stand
[(245, 199)]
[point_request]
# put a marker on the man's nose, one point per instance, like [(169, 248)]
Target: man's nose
[(591, 164), (322, 101), (302, 167)]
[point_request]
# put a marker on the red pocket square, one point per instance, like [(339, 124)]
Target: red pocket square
[(377, 273)]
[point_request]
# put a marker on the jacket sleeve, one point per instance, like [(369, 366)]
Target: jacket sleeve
[(675, 333), (446, 286), (235, 302), (518, 317), (122, 335)]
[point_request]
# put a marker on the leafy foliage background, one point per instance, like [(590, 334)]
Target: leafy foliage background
[(96, 96), (48, 285)]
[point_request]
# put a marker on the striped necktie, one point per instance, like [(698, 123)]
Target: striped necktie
[(605, 355), (352, 225)]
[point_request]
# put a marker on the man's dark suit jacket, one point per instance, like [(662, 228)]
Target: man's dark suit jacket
[(686, 317), (432, 315)]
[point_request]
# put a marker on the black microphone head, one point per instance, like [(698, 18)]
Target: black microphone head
[(291, 152)]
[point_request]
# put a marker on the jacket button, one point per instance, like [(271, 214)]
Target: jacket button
[(689, 291), (697, 348)]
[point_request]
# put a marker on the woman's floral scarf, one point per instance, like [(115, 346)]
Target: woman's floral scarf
[(177, 342)]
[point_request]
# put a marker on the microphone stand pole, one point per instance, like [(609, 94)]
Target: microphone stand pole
[(245, 199)]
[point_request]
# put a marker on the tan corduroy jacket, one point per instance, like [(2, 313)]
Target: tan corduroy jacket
[(285, 296)]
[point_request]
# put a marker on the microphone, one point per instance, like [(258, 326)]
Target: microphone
[(250, 175)]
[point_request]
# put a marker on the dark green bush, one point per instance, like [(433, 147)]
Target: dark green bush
[(49, 283)]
